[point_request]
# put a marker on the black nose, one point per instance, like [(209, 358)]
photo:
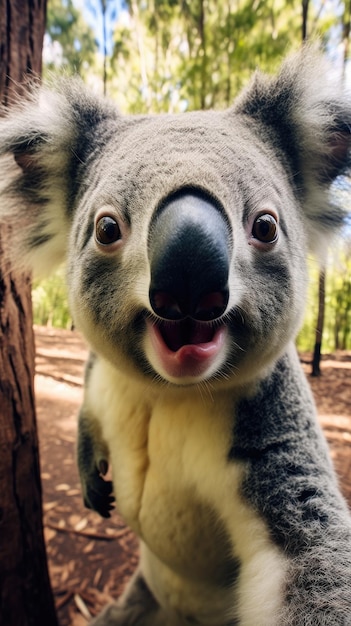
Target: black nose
[(189, 254)]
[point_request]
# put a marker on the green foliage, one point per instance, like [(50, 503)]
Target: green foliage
[(197, 54), (172, 55), (337, 325), (339, 301), (50, 306), (73, 44)]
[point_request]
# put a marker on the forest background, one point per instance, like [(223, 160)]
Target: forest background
[(179, 55)]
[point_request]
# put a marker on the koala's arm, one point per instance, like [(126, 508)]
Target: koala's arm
[(290, 479), (93, 457)]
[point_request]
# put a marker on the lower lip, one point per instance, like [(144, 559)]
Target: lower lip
[(191, 360)]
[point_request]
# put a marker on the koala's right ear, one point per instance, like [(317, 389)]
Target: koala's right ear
[(45, 143)]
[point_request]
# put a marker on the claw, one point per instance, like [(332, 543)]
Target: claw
[(98, 496), (103, 467)]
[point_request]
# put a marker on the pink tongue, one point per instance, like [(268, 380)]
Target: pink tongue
[(185, 332), (186, 349)]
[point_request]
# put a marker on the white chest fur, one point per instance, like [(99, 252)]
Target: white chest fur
[(176, 488), (162, 445)]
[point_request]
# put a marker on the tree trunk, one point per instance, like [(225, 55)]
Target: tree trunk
[(304, 31), (346, 28), (316, 370), (203, 50), (25, 594), (104, 32)]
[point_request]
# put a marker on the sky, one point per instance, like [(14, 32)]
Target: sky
[(93, 15)]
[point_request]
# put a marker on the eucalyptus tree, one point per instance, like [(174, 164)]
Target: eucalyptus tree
[(71, 43), (25, 593)]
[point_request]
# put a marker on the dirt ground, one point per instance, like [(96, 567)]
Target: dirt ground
[(90, 558)]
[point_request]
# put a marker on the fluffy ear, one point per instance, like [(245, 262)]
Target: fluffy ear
[(306, 114), (45, 143)]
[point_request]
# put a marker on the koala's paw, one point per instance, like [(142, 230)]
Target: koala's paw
[(92, 460), (97, 492)]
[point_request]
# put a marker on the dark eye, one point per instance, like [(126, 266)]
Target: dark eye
[(107, 230), (265, 228)]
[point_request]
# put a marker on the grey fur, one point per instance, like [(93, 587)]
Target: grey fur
[(277, 150)]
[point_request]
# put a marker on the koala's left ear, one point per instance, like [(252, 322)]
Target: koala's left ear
[(45, 144), (306, 115)]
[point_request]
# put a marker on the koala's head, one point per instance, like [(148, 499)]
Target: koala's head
[(185, 236)]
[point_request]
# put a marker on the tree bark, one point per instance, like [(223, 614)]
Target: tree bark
[(203, 49), (104, 11), (316, 361), (304, 31), (25, 593)]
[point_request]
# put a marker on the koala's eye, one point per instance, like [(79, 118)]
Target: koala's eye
[(107, 230), (265, 228)]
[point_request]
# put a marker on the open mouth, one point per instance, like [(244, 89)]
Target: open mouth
[(185, 332), (185, 348)]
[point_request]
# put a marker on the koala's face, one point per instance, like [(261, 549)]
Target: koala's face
[(186, 236), (187, 253)]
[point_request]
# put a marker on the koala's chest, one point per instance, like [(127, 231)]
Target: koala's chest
[(167, 461), (177, 516)]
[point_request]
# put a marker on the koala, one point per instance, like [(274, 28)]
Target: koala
[(186, 238)]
